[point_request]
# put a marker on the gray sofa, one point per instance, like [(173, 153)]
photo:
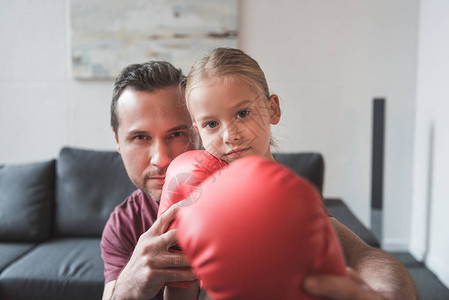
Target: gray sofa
[(52, 214)]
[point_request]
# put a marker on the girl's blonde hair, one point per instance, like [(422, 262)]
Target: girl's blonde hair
[(228, 63)]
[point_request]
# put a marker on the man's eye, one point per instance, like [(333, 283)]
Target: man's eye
[(178, 134), (242, 114), (141, 137), (211, 124)]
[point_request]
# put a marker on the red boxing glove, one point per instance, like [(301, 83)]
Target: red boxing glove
[(257, 231), (184, 173)]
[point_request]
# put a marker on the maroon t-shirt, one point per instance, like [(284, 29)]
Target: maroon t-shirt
[(122, 231)]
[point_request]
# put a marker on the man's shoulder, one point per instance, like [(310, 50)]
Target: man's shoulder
[(132, 217), (136, 197), (137, 208), (137, 201)]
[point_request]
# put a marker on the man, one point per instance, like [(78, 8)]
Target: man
[(151, 127)]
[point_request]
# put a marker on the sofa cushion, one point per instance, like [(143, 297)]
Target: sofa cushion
[(58, 269), (89, 184), (343, 214), (10, 252), (309, 165), (26, 201)]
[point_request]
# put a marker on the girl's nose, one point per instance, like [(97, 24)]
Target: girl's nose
[(232, 134)]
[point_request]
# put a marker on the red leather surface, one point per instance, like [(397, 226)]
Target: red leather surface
[(256, 231), (183, 175)]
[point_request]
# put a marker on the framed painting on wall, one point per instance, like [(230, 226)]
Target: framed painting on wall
[(108, 35)]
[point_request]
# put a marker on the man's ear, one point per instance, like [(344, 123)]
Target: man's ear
[(196, 137), (116, 140), (195, 127), (275, 109)]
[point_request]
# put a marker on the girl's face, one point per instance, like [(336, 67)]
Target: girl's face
[(233, 119)]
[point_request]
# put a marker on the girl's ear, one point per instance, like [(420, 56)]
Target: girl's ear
[(275, 109)]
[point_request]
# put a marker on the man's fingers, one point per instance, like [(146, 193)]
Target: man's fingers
[(354, 275), (332, 287), (170, 260), (178, 275), (351, 287), (169, 238), (164, 220)]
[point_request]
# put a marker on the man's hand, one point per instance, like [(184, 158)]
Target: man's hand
[(351, 287), (151, 264), (375, 274)]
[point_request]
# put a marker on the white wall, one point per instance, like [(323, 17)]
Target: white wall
[(430, 239), (33, 89), (326, 59), (41, 107)]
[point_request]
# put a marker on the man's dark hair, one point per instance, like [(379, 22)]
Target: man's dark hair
[(150, 76)]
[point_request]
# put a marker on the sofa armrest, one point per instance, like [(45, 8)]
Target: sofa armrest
[(343, 214), (26, 201), (309, 165)]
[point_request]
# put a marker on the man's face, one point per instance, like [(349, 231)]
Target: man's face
[(154, 128)]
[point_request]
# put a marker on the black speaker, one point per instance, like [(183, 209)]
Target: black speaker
[(377, 161)]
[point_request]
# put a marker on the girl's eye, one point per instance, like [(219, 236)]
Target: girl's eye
[(211, 124), (243, 113)]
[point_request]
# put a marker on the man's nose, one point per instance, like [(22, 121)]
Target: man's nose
[(160, 155)]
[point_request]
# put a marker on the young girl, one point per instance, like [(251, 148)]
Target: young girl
[(232, 109), (230, 104)]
